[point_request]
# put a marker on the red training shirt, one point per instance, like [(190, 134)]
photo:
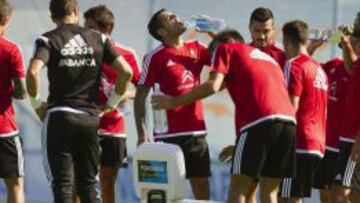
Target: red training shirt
[(11, 66), (177, 71), (113, 123), (339, 79), (307, 80), (255, 83)]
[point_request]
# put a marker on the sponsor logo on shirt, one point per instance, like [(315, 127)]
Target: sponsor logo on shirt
[(76, 46), (77, 62), (320, 79), (187, 75), (187, 80)]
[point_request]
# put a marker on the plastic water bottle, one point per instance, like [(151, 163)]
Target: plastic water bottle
[(329, 35), (334, 37), (160, 116), (317, 34), (206, 23)]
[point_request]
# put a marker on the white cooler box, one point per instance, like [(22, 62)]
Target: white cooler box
[(159, 174), (159, 169)]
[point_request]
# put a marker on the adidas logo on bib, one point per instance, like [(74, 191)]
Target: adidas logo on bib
[(338, 177), (76, 46)]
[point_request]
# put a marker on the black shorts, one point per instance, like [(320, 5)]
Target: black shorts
[(113, 152), (301, 185), (11, 157), (266, 150), (325, 174), (348, 172), (196, 154)]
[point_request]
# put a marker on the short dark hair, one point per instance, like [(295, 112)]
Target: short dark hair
[(102, 15), (5, 9), (356, 31), (297, 32), (155, 24), (61, 8), (261, 14), (223, 37)]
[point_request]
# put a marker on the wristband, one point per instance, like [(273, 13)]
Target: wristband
[(35, 101), (114, 100)]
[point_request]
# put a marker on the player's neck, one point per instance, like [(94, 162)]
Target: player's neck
[(175, 42), (3, 28), (297, 51), (70, 19)]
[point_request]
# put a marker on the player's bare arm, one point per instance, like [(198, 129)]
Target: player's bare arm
[(139, 109), (295, 101), (314, 45), (211, 86), (129, 95), (348, 52), (33, 87), (355, 150), (19, 90), (124, 71), (227, 153), (33, 77)]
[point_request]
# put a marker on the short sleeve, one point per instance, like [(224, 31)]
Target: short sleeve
[(110, 53), (17, 63), (205, 57), (221, 60), (150, 71), (42, 49), (356, 74), (334, 63), (295, 82), (132, 61)]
